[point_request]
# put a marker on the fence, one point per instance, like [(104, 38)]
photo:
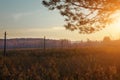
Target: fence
[(41, 43)]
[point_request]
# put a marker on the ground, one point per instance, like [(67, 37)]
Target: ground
[(88, 63)]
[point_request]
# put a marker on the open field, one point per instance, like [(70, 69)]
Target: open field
[(98, 63)]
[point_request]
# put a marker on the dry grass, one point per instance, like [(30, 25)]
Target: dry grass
[(98, 63)]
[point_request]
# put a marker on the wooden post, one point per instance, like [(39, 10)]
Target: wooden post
[(5, 44), (44, 44), (62, 44)]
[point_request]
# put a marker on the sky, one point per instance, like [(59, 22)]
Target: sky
[(30, 19)]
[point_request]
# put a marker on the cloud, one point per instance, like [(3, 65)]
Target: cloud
[(46, 29), (17, 16), (58, 28)]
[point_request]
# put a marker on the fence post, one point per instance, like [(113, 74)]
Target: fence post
[(62, 44), (5, 44), (44, 44)]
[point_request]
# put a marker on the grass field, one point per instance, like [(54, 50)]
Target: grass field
[(98, 63)]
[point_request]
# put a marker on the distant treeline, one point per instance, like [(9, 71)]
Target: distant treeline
[(51, 43), (34, 43)]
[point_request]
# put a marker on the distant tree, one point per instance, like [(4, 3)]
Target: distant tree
[(86, 16), (88, 40), (65, 43), (106, 39)]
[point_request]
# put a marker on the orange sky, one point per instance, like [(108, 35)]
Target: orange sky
[(30, 19)]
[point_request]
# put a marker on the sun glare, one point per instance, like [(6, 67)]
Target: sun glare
[(115, 25)]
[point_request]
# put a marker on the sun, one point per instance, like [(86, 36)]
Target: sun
[(116, 20), (114, 27)]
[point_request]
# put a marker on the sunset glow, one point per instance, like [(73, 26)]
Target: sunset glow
[(59, 39), (32, 19)]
